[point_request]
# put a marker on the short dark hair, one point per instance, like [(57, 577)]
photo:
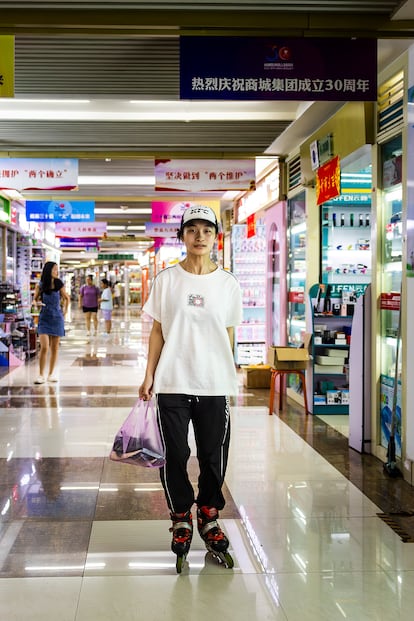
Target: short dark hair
[(105, 281)]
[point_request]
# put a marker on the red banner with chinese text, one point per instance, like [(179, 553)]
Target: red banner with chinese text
[(328, 181), (251, 225)]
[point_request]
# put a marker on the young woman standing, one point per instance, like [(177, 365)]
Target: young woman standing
[(51, 295), (195, 306)]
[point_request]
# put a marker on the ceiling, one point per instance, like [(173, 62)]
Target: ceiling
[(99, 80)]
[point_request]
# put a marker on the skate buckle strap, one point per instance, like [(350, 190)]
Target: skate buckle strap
[(178, 525), (209, 526)]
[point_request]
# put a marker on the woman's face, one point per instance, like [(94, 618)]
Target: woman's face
[(199, 238), (55, 271)]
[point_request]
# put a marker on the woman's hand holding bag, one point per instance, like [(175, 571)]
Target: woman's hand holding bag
[(138, 441)]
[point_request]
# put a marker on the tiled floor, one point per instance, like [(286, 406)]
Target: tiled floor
[(86, 539)]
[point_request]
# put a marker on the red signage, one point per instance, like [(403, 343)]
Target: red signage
[(390, 301), (296, 297), (328, 181), (251, 225)]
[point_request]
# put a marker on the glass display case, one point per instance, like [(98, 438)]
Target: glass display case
[(391, 276), (296, 270), (346, 244), (249, 265)]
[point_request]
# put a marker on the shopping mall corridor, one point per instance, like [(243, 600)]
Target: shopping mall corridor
[(86, 539)]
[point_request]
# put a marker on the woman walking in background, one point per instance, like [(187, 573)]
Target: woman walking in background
[(89, 302), (51, 296)]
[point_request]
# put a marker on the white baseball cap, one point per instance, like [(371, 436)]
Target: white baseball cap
[(199, 212)]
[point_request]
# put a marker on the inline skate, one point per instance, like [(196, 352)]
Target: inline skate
[(215, 540), (182, 530)]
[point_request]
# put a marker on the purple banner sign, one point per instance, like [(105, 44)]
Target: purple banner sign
[(264, 68)]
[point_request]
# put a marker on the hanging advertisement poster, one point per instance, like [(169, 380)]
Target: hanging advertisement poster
[(172, 211), (78, 229), (60, 211), (205, 175), (31, 174), (278, 68), (328, 181)]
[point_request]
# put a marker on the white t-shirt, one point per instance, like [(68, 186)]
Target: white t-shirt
[(106, 299), (194, 312)]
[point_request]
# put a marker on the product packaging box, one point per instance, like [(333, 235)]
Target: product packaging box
[(288, 358), (336, 353), (333, 397), (345, 397), (330, 360), (257, 376), (319, 399)]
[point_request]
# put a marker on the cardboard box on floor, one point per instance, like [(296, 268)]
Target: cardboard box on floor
[(257, 376), (289, 358)]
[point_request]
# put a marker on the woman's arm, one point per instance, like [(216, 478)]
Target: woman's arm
[(37, 298), (64, 298), (156, 343)]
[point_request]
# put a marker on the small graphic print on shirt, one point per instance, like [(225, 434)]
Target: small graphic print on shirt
[(195, 300)]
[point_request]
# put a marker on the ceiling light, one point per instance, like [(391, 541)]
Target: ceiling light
[(116, 180), (115, 211)]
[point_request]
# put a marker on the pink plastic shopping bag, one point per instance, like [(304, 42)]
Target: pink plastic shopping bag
[(138, 442)]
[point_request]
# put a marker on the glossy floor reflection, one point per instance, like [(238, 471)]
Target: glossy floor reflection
[(83, 538)]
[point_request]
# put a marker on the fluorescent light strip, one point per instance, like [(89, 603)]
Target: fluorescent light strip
[(115, 211), (116, 180)]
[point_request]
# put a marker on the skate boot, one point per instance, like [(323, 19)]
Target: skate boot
[(182, 530), (212, 535)]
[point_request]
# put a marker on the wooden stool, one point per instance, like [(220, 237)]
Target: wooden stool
[(282, 389)]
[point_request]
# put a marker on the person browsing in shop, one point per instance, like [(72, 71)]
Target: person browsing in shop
[(51, 296), (195, 306)]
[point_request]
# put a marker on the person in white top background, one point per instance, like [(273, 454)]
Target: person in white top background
[(106, 305), (195, 306)]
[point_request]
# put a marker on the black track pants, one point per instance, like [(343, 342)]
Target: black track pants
[(210, 417)]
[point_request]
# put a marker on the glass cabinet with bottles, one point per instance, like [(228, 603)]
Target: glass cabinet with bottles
[(296, 272), (390, 287), (249, 265)]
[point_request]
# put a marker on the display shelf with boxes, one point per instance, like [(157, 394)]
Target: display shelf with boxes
[(17, 336), (332, 317), (249, 266), (36, 265)]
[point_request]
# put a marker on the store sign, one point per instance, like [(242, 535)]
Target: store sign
[(4, 209), (328, 181), (6, 66), (60, 211), (205, 175), (296, 297), (77, 229), (79, 242), (31, 174), (270, 68), (158, 229), (172, 211), (390, 301)]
